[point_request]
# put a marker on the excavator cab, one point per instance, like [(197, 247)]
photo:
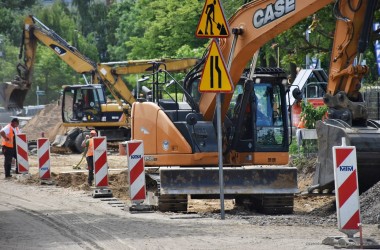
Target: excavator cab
[(82, 103)]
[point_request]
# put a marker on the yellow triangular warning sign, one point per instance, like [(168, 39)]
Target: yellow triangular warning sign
[(212, 23), (215, 77)]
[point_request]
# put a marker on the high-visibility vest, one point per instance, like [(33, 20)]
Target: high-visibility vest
[(90, 149), (301, 124), (11, 135)]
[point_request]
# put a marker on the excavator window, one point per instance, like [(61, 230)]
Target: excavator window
[(269, 119), (258, 117)]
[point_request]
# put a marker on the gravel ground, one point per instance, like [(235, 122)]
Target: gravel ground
[(308, 209)]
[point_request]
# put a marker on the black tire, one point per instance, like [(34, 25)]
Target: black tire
[(78, 143)]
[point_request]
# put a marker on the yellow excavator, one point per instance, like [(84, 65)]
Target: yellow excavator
[(180, 139), (83, 106)]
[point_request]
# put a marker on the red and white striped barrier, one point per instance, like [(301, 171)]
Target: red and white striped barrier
[(22, 153), (135, 154), (100, 162), (43, 153), (346, 188)]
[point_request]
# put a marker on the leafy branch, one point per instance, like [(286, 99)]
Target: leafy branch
[(310, 115)]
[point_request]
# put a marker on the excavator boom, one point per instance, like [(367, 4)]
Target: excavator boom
[(13, 93)]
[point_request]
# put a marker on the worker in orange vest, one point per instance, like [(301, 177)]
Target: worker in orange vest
[(9, 145), (88, 142)]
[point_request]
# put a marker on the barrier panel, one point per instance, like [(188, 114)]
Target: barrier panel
[(43, 153), (100, 162), (22, 153), (136, 168), (346, 189)]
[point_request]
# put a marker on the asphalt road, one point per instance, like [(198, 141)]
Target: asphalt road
[(49, 217)]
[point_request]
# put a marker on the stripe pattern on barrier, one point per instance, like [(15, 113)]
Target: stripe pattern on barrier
[(135, 153), (346, 188), (100, 162), (43, 153), (22, 153)]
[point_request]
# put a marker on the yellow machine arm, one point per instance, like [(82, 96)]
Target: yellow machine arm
[(111, 76)]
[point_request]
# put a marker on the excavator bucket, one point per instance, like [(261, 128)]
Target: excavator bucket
[(12, 96), (367, 143)]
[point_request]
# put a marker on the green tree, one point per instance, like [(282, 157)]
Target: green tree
[(124, 18), (156, 28), (92, 21), (310, 114), (8, 59), (12, 13)]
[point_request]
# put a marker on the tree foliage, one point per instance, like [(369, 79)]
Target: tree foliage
[(110, 30), (310, 114)]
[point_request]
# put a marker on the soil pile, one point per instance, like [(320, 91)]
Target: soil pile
[(326, 206), (370, 205), (118, 183), (47, 121)]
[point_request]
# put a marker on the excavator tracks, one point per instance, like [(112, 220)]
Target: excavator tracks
[(267, 203), (172, 203)]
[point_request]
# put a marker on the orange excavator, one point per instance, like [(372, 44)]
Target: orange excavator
[(180, 137)]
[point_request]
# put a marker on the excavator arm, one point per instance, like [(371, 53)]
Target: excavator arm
[(13, 93), (353, 26)]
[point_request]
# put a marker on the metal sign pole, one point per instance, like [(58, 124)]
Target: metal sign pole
[(220, 154)]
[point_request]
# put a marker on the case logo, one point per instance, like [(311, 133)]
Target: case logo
[(272, 12)]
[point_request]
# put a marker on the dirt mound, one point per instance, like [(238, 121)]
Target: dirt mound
[(119, 185), (71, 180), (326, 205), (370, 205), (305, 170), (47, 121)]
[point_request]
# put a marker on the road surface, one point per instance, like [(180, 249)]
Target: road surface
[(49, 217)]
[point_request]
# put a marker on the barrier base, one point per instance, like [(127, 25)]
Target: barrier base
[(23, 176), (102, 192), (47, 182), (350, 243), (140, 208)]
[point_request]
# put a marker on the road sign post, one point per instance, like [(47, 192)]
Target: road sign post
[(216, 79), (215, 76), (220, 154)]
